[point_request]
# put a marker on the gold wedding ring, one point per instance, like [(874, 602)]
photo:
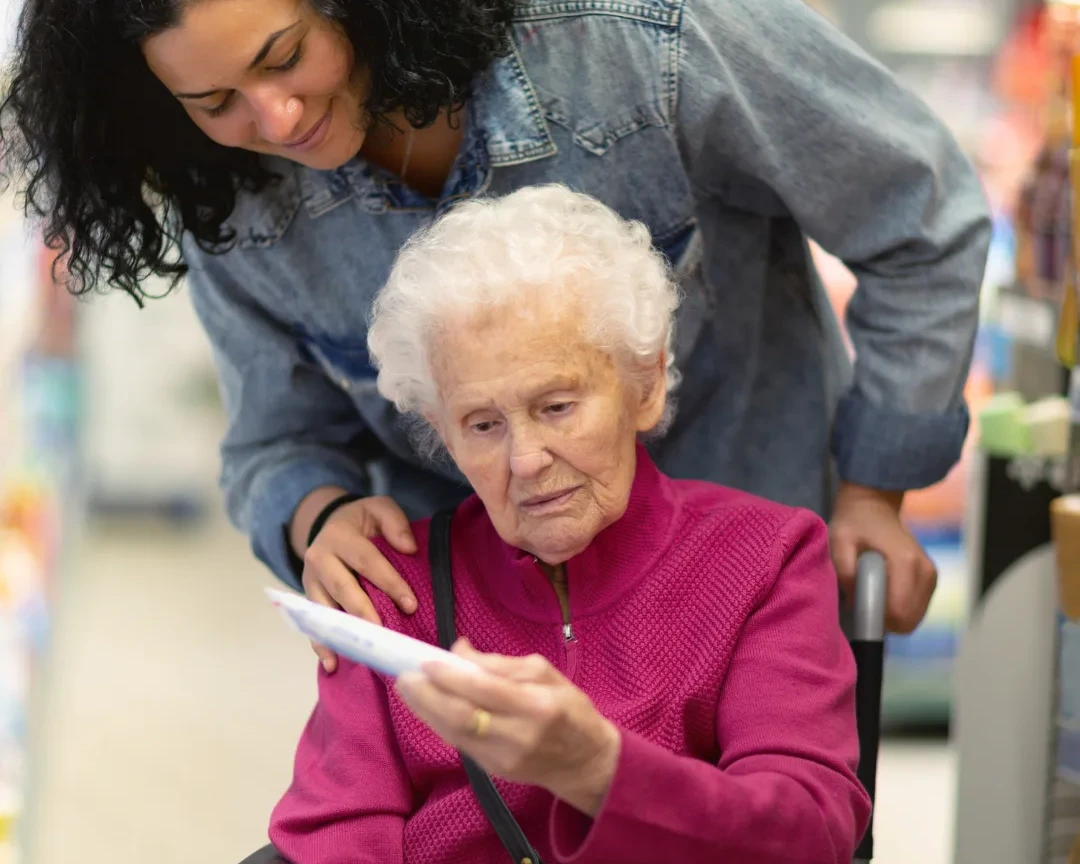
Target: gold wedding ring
[(481, 721)]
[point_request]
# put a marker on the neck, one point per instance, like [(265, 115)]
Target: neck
[(556, 573), (431, 150)]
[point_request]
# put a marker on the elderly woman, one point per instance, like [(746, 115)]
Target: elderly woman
[(662, 673)]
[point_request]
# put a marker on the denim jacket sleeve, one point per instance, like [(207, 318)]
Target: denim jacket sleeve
[(289, 426), (772, 93)]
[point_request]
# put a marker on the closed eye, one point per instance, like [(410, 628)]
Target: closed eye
[(294, 58), (221, 107)]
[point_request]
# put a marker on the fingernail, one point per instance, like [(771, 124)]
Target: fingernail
[(408, 604)]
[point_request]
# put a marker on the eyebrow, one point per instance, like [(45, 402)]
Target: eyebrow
[(571, 383), (267, 47)]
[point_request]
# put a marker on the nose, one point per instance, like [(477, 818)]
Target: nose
[(278, 116), (529, 465), (528, 456)]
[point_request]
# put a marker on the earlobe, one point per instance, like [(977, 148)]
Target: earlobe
[(654, 397)]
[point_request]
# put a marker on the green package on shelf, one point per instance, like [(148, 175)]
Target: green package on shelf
[(1003, 428)]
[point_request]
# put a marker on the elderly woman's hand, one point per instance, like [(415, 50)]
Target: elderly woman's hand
[(343, 548), (521, 720)]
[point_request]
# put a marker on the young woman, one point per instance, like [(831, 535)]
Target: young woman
[(280, 152)]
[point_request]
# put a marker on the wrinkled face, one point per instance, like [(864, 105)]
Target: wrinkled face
[(541, 423), (270, 76)]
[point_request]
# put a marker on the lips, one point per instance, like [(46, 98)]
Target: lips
[(538, 501), (308, 137)]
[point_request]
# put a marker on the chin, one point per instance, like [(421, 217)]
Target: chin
[(333, 155), (556, 548)]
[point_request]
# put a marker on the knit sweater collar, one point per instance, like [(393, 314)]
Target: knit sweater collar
[(605, 572)]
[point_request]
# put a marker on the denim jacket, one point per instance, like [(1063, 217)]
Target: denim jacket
[(735, 130)]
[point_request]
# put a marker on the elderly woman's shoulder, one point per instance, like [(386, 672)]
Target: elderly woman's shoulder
[(763, 533), (416, 571)]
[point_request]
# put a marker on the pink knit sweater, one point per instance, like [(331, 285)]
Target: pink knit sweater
[(705, 625)]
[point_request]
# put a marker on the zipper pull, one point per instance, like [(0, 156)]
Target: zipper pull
[(568, 633)]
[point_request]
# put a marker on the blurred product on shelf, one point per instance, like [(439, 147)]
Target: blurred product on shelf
[(26, 557), (1065, 520), (38, 393), (1009, 426), (1043, 225)]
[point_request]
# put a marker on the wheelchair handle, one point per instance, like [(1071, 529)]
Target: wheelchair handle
[(870, 593), (868, 646)]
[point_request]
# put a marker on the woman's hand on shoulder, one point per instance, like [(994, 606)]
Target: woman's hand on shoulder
[(519, 718), (343, 549), (869, 520)]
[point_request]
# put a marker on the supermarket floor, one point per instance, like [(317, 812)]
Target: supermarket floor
[(174, 696)]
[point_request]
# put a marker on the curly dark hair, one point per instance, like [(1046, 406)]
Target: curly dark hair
[(118, 174)]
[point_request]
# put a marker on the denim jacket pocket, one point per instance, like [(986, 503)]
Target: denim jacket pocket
[(623, 83), (598, 134)]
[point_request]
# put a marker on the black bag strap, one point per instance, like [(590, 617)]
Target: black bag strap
[(442, 578), (491, 802)]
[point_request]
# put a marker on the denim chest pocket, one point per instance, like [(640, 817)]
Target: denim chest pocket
[(596, 132), (623, 83)]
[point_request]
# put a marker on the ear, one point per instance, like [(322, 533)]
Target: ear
[(653, 396)]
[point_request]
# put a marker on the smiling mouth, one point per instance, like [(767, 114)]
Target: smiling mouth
[(308, 136)]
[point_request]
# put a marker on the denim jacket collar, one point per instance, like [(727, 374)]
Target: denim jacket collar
[(504, 112)]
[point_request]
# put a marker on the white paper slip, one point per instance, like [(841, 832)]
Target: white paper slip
[(376, 647)]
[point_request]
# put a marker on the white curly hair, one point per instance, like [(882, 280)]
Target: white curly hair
[(487, 253)]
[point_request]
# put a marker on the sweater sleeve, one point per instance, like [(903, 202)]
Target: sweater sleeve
[(351, 792), (785, 787)]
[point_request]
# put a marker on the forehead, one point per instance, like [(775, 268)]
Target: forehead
[(512, 353), (215, 40)]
